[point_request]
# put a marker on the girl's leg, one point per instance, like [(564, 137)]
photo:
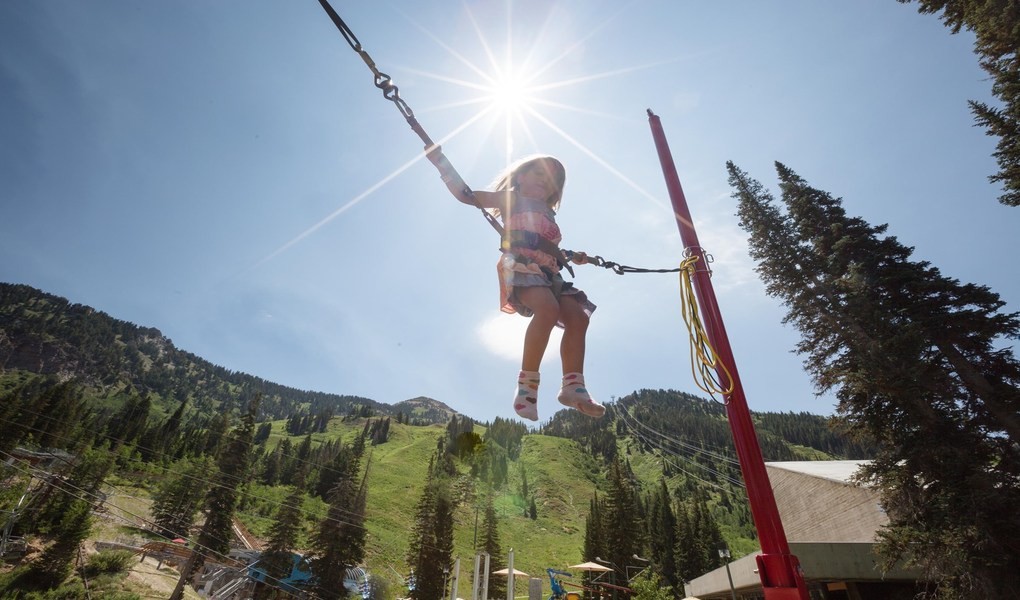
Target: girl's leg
[(547, 312), (575, 328), (573, 393)]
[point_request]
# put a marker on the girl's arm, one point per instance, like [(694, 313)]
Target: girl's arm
[(456, 185)]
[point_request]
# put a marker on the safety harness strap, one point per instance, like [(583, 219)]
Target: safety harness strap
[(534, 241)]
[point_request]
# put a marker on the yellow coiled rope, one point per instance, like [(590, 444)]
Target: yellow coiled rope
[(705, 363)]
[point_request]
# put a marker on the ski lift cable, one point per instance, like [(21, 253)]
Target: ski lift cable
[(631, 419), (688, 459)]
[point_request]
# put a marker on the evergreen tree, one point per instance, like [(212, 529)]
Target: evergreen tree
[(50, 569), (914, 360), (128, 423), (491, 546), (622, 518), (431, 547), (690, 549), (346, 463), (662, 535), (178, 498), (215, 433), (706, 531), (263, 433), (340, 543), (65, 515), (524, 482), (300, 463), (595, 544), (222, 499), (58, 413), (271, 466), (80, 482), (996, 25), (277, 559)]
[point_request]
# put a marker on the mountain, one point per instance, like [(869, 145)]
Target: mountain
[(427, 410), (48, 335)]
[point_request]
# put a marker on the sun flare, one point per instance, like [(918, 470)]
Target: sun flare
[(511, 93)]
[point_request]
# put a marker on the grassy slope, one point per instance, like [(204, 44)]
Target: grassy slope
[(560, 477)]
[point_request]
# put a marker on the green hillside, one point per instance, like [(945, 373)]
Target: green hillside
[(75, 379), (560, 476)]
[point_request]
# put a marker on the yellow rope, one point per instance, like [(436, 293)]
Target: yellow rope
[(704, 360)]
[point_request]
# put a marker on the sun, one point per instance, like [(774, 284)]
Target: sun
[(510, 93)]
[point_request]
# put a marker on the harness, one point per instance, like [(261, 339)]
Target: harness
[(533, 241)]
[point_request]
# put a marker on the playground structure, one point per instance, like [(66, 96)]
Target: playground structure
[(596, 588)]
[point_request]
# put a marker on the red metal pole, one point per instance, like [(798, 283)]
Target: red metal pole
[(780, 572)]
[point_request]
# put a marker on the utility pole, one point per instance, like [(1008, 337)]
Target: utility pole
[(780, 571)]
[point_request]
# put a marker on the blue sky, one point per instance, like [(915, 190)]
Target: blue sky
[(227, 173)]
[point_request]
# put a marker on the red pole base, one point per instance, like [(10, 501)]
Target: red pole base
[(781, 577)]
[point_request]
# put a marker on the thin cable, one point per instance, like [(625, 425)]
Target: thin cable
[(213, 483), (699, 449), (630, 420), (86, 496)]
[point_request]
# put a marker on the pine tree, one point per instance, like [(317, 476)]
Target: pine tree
[(706, 532), (431, 546), (59, 412), (662, 535), (996, 24), (50, 569), (300, 463), (915, 362), (81, 482), (215, 433), (277, 559), (595, 543), (222, 499), (622, 518), (271, 467), (128, 423), (340, 542), (178, 498), (491, 546), (346, 463), (690, 549), (524, 482)]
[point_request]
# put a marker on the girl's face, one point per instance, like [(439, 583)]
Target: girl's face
[(540, 179)]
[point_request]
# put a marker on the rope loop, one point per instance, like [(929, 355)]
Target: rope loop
[(705, 364)]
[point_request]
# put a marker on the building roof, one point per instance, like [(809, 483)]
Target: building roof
[(835, 470), (829, 522)]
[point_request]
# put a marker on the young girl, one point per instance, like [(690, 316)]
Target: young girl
[(526, 198)]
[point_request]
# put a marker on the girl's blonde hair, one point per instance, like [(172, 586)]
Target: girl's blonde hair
[(507, 180)]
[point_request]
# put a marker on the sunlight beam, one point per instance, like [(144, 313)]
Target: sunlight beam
[(354, 201), (605, 74), (573, 47), (599, 160), (467, 62)]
